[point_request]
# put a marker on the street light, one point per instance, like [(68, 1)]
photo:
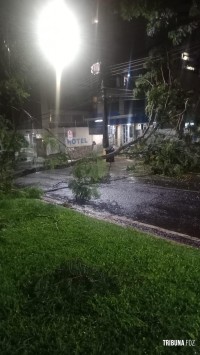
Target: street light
[(58, 34), (59, 38)]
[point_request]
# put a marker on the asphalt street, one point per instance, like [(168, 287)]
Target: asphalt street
[(171, 208)]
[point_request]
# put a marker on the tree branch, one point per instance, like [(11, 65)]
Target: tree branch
[(181, 115), (163, 75), (144, 137), (148, 81), (168, 66)]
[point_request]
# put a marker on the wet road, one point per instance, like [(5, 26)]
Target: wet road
[(173, 209)]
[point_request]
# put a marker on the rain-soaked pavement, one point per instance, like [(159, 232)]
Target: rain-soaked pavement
[(171, 208)]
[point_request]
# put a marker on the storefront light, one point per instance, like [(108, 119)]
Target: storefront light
[(185, 56), (189, 67)]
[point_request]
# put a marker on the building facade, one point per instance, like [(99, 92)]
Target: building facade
[(78, 130)]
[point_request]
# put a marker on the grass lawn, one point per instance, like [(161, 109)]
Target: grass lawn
[(72, 285)]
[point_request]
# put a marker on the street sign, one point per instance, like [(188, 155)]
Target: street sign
[(69, 134)]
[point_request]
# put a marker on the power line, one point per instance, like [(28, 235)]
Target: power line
[(128, 63), (128, 66), (85, 85)]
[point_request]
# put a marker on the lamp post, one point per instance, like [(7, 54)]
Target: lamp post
[(105, 117), (96, 69), (58, 34), (59, 39)]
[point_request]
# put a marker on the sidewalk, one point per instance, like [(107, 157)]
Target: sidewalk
[(118, 168), (188, 181)]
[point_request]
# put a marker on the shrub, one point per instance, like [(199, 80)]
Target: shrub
[(28, 192), (11, 142), (83, 192), (33, 192), (86, 173)]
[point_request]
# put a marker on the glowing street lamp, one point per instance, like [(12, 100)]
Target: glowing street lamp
[(59, 39), (58, 34)]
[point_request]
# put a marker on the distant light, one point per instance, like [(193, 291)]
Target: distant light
[(188, 124), (96, 68), (98, 120), (129, 75), (128, 124), (189, 67), (95, 20), (58, 33), (185, 56)]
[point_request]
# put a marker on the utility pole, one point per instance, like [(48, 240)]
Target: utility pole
[(105, 116), (96, 69)]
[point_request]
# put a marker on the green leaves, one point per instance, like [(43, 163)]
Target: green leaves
[(180, 33), (171, 156), (174, 19), (87, 172), (11, 142), (82, 191), (159, 20), (51, 141), (92, 169), (12, 91), (167, 101)]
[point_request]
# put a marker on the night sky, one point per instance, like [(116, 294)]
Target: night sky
[(111, 41)]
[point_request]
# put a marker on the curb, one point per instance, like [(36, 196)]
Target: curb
[(125, 222)]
